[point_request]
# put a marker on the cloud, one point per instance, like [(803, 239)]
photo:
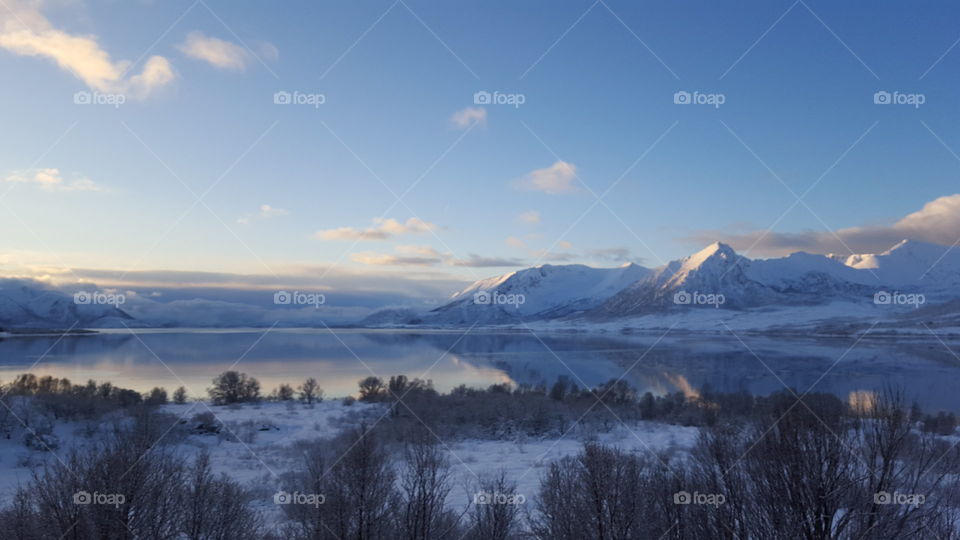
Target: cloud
[(614, 255), (24, 30), (408, 256), (554, 256), (476, 261), (268, 50), (51, 180), (471, 115), (267, 211), (383, 229), (555, 179), (513, 241), (565, 245), (216, 52), (531, 217), (937, 222)]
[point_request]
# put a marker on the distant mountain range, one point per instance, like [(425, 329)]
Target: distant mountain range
[(716, 287), (913, 286)]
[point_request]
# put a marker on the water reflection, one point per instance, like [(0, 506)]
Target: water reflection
[(928, 372)]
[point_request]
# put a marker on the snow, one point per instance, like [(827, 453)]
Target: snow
[(837, 287), (266, 432)]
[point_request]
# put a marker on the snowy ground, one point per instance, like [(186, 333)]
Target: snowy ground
[(258, 445)]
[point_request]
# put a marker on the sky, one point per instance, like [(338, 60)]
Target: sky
[(411, 145)]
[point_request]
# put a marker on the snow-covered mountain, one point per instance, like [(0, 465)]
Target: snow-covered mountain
[(911, 284), (827, 287), (912, 264), (718, 277), (31, 304), (543, 292)]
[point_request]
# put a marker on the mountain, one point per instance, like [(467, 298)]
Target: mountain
[(718, 284), (913, 285), (543, 292), (718, 277), (31, 304), (912, 264)]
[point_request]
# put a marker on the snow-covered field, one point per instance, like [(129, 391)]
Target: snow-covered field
[(258, 445)]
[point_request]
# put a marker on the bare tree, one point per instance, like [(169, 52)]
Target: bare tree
[(495, 512), (234, 387), (310, 391), (424, 486)]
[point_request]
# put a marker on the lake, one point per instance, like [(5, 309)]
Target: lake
[(928, 371)]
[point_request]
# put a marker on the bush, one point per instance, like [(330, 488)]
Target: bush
[(310, 391), (157, 396), (372, 389), (180, 395), (284, 392), (234, 387)]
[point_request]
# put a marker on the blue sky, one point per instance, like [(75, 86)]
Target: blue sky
[(301, 193)]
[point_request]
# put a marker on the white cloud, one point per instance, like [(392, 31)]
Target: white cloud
[(554, 256), (565, 245), (937, 222), (267, 211), (555, 179), (216, 52), (51, 180), (409, 256), (513, 241), (268, 51), (532, 217), (24, 30), (477, 261), (471, 115), (614, 255), (381, 230)]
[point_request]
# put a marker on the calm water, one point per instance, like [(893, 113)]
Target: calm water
[(169, 358)]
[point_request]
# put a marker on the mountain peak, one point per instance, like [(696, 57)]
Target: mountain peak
[(715, 249)]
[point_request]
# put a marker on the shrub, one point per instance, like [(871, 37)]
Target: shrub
[(234, 387)]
